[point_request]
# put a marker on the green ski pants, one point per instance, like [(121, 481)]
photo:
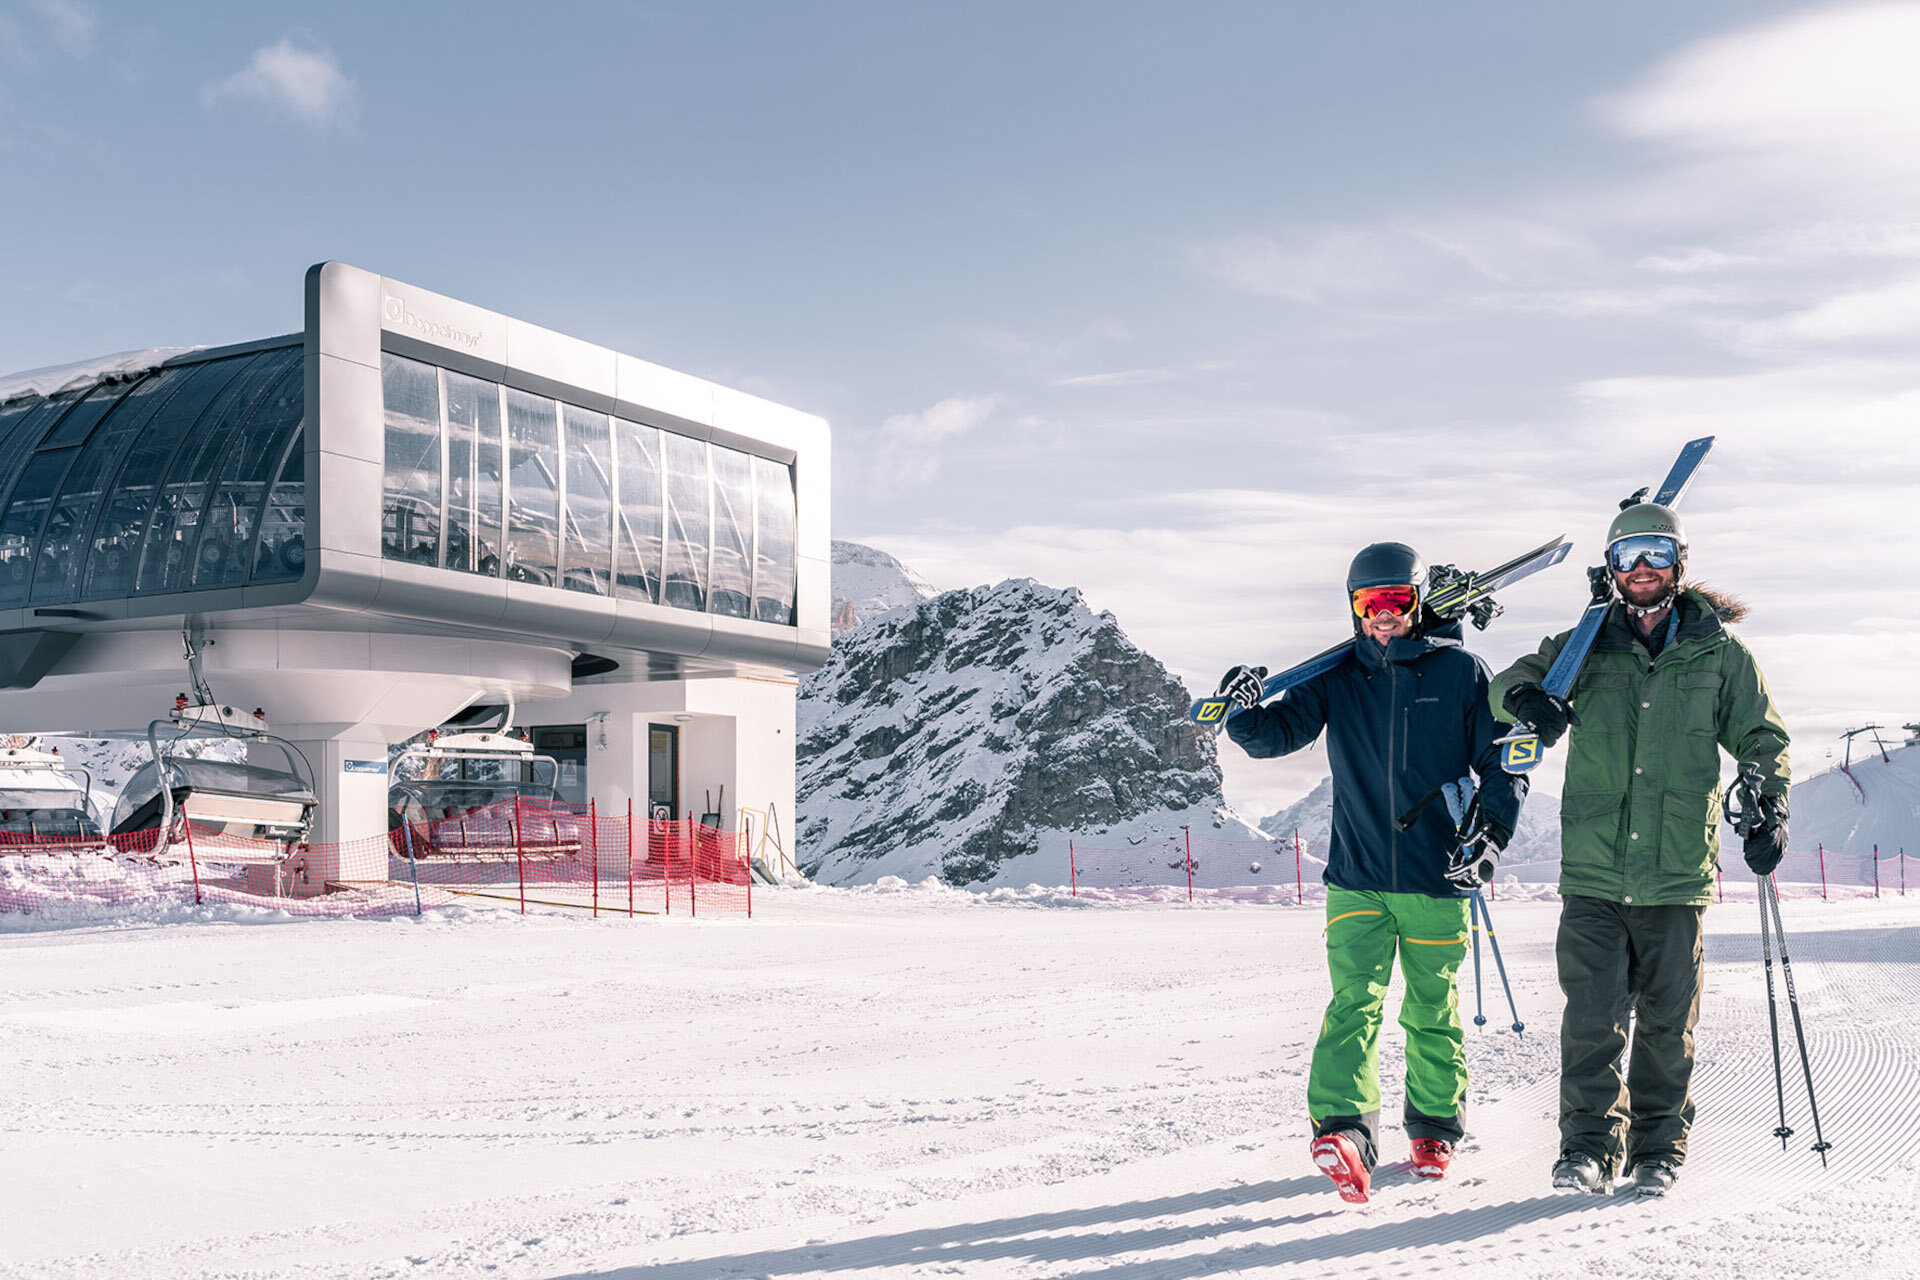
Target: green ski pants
[(1364, 929)]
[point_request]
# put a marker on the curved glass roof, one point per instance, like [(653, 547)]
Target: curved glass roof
[(186, 477)]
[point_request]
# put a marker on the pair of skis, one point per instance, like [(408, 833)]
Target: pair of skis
[(1450, 594), (1521, 749)]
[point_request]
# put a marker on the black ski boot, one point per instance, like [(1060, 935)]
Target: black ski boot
[(1577, 1171), (1654, 1177)]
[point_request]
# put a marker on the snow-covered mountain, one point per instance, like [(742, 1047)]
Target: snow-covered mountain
[(868, 582), (970, 735), (1879, 804)]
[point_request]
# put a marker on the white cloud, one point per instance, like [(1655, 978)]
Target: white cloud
[(70, 23), (1890, 311), (906, 448), (307, 82)]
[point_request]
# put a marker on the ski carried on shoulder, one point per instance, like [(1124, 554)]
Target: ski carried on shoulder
[(1520, 751), (1449, 593)]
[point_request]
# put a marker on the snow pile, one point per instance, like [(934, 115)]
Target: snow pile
[(54, 379), (868, 583), (971, 735)]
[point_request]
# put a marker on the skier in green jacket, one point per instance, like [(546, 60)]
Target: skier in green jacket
[(1665, 688)]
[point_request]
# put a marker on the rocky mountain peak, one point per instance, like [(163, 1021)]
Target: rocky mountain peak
[(954, 735)]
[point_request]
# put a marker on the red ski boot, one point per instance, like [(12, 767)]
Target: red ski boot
[(1431, 1157), (1337, 1157)]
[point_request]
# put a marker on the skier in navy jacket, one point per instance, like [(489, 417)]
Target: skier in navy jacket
[(1406, 712)]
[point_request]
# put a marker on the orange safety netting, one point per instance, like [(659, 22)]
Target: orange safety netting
[(523, 853)]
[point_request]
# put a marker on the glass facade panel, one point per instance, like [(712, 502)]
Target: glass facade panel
[(773, 575), (79, 424), (732, 587), (636, 573), (533, 489), (20, 525), (64, 545), (474, 478), (410, 508), (587, 550), (166, 557), (685, 576), (116, 536), (282, 554), (225, 553)]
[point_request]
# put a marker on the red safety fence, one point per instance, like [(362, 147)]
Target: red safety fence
[(1190, 865), (518, 853)]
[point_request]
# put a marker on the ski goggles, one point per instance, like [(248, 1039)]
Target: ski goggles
[(1368, 601), (1656, 549)]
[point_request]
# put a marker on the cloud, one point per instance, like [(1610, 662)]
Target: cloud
[(70, 23), (906, 448), (307, 82)]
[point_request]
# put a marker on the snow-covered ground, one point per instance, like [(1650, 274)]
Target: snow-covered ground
[(884, 1081)]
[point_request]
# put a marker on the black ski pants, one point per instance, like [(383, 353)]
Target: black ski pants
[(1618, 961)]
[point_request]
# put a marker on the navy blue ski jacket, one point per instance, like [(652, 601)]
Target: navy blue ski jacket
[(1400, 721)]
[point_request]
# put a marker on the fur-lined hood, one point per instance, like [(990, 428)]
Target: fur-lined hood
[(1725, 607)]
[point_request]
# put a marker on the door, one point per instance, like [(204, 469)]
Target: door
[(663, 770), (567, 744)]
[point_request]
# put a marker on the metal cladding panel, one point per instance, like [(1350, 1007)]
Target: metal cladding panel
[(810, 654), (813, 594), (761, 426), (646, 391), (440, 321), (349, 505), (344, 580), (343, 307), (559, 363), (351, 415), (661, 629), (572, 617), (439, 595), (739, 640)]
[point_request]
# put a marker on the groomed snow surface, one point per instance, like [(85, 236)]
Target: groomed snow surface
[(886, 1081)]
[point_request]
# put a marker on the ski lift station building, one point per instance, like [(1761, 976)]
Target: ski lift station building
[(410, 509)]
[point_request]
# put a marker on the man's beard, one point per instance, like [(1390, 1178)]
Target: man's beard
[(1648, 597)]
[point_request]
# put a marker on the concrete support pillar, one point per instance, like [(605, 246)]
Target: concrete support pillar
[(350, 820)]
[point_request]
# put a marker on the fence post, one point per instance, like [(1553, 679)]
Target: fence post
[(1299, 885), (746, 860), (666, 856), (629, 857), (1903, 871), (1719, 889), (693, 871), (192, 861), (406, 830), (1188, 832), (1876, 870), (520, 852), (1823, 872), (1073, 874), (593, 829)]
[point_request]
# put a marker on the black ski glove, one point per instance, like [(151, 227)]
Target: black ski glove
[(1766, 845), (1242, 686), (1478, 857), (1541, 712)]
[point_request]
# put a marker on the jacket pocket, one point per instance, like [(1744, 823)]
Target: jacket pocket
[(1700, 702), (1590, 831), (1600, 700), (1689, 833)]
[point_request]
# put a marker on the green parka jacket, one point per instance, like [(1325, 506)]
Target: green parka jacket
[(1640, 817)]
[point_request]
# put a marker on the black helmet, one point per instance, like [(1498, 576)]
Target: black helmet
[(1387, 564)]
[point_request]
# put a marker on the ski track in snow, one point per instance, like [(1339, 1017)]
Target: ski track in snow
[(883, 1083)]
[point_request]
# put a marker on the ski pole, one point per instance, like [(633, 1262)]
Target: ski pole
[(1479, 1000), (1820, 1143), (1519, 1027), (1782, 1131)]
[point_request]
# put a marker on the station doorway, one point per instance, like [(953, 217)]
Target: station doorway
[(663, 772), (567, 744)]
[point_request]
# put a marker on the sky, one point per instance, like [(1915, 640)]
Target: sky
[(1180, 304)]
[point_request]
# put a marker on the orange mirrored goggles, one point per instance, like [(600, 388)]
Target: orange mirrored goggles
[(1368, 601)]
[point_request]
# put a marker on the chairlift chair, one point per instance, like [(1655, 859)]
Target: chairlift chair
[(467, 816), (41, 807), (227, 797)]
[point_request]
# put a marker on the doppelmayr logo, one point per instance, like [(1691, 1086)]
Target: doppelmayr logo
[(398, 317)]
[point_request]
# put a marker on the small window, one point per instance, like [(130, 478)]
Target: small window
[(533, 489), (773, 575)]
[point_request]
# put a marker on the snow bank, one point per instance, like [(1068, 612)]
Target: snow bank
[(53, 379)]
